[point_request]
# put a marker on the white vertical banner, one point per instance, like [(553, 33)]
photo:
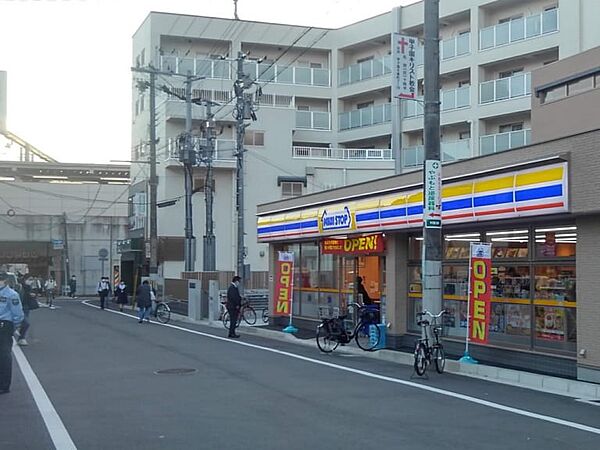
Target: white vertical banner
[(404, 70), (432, 203)]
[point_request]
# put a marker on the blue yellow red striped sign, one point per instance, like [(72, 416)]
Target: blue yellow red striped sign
[(527, 192)]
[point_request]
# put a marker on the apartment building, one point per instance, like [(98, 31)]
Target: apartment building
[(326, 116)]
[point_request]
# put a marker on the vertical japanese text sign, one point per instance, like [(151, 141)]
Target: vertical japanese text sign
[(480, 292), (404, 70), (432, 207), (284, 284)]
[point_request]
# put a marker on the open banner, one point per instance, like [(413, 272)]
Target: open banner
[(480, 281), (284, 284)]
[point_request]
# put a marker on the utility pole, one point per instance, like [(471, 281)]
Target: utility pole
[(432, 169), (209, 244), (242, 110), (187, 155)]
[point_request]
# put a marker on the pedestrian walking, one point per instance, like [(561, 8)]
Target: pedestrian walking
[(121, 295), (50, 287), (72, 286), (143, 298), (103, 290), (29, 302), (234, 303), (11, 314)]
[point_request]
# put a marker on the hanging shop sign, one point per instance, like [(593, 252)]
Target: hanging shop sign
[(432, 210), (372, 243), (480, 275), (404, 55), (284, 284)]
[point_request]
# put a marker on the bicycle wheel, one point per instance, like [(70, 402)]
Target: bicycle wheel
[(420, 358), (225, 319), (163, 312), (363, 336), (265, 316), (325, 340), (249, 315), (440, 359)]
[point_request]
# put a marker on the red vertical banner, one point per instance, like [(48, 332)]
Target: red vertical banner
[(480, 293), (284, 284)]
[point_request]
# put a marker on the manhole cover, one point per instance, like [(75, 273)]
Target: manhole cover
[(175, 371)]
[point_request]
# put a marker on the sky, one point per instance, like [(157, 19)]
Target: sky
[(68, 62)]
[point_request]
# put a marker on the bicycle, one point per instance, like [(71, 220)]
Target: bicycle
[(162, 312), (331, 331), (425, 353), (246, 312)]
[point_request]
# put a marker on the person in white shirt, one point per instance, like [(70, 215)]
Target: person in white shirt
[(50, 287)]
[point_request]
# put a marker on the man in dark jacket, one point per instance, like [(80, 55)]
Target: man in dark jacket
[(143, 299), (234, 303)]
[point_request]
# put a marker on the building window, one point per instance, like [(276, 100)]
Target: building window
[(464, 83), (510, 73), (556, 242), (581, 85), (555, 93), (464, 135), (315, 65), (256, 138), (365, 105), (303, 107), (507, 128), (362, 60), (291, 189)]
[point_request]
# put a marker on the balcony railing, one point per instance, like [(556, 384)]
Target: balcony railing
[(456, 46), (450, 99), (504, 88), (364, 117), (365, 70), (209, 68), (313, 120), (519, 29), (224, 148), (273, 73), (372, 154), (451, 151), (494, 143)]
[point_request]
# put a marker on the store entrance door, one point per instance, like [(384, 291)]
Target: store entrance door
[(369, 270)]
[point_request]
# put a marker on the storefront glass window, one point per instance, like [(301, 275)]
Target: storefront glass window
[(456, 246), (555, 313), (556, 242), (414, 248), (309, 279), (329, 283), (510, 244)]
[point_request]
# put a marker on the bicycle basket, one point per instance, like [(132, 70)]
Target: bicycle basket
[(329, 312)]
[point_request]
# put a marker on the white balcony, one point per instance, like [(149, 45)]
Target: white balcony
[(371, 154), (519, 29), (365, 70), (224, 149), (454, 47), (450, 99), (413, 157), (365, 117), (209, 68), (505, 88), (494, 143), (313, 120), (273, 73)]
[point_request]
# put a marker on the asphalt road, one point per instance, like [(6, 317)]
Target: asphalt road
[(98, 371)]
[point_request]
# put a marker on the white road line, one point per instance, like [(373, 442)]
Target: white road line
[(467, 398), (58, 433)]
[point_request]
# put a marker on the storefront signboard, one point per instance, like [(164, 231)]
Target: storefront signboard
[(284, 284), (432, 204), (404, 55), (337, 220), (372, 243), (480, 289)]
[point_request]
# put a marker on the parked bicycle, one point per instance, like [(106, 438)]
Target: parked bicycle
[(332, 332), (161, 312), (426, 353), (247, 313)]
